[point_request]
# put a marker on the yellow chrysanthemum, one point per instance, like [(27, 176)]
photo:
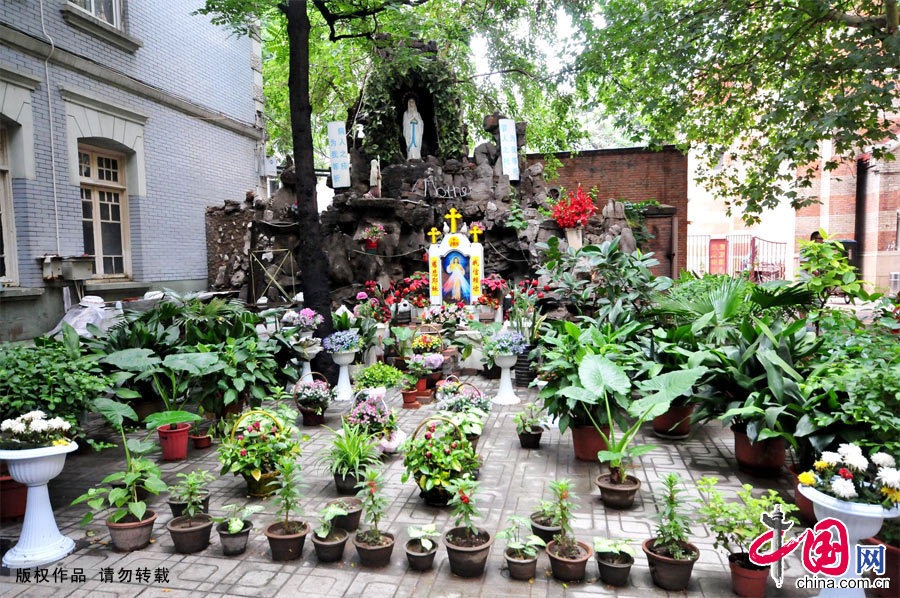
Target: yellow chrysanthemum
[(820, 465), (891, 493), (807, 478)]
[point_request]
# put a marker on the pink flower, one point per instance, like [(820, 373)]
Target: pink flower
[(243, 452), (361, 295), (240, 436)]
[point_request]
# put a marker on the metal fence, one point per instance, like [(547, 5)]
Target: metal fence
[(698, 253), (764, 260)]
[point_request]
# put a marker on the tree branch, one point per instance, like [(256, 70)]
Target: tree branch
[(850, 20), (332, 18)]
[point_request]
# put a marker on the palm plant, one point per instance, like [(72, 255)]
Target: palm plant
[(352, 451)]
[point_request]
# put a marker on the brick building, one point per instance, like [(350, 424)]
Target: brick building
[(637, 174), (149, 114)]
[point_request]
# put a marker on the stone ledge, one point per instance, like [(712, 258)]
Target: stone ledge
[(20, 293), (123, 285), (82, 20)]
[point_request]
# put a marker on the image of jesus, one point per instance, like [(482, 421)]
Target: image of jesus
[(456, 285)]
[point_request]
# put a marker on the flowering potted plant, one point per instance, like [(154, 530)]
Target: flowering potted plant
[(234, 528), (371, 235), (35, 448), (568, 557), (614, 560), (413, 289), (286, 536), (307, 320), (670, 555), (409, 392), (371, 413), (572, 214), (859, 491), (504, 348), (495, 289), (192, 484), (328, 539), (352, 452), (468, 546), (435, 459), (530, 426), (521, 551), (373, 545), (735, 526), (545, 521), (420, 548), (453, 395), (190, 529), (258, 441), (312, 398), (343, 346)]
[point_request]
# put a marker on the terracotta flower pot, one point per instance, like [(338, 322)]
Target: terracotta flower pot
[(613, 572), (201, 442), (467, 561), (542, 531), (374, 556), (891, 567), (178, 507), (675, 423), (132, 535), (286, 547), (174, 442), (617, 496), (13, 497), (190, 535), (350, 521), (418, 558), (422, 384), (262, 487), (764, 458), (521, 569), (409, 399), (234, 544), (345, 484), (806, 512), (311, 417), (566, 569), (748, 581), (588, 442), (531, 439), (371, 244), (668, 573), (330, 549)]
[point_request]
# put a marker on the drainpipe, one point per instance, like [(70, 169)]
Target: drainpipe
[(673, 250), (52, 136), (859, 229)]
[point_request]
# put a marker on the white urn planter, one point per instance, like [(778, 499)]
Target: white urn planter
[(344, 389), (40, 542), (305, 334), (505, 394), (862, 521)]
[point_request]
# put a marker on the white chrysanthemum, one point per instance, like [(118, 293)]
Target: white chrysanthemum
[(17, 427), (39, 425), (6, 426), (58, 423), (843, 488), (849, 449), (889, 476), (32, 415), (831, 458), (883, 460), (857, 462)]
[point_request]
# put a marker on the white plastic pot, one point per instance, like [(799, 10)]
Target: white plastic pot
[(505, 394)]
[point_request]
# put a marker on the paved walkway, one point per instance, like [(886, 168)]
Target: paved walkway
[(513, 480)]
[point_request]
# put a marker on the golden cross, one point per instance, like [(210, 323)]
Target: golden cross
[(453, 216), (475, 230), (434, 234)]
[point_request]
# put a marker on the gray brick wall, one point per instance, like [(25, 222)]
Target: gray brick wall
[(190, 163)]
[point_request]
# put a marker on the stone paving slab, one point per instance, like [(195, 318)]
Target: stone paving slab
[(512, 480)]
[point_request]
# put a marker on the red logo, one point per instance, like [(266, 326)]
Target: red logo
[(826, 548)]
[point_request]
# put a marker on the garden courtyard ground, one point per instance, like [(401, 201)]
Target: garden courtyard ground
[(512, 481)]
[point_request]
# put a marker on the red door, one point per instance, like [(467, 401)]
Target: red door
[(718, 256)]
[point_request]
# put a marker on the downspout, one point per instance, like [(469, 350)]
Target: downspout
[(859, 227), (52, 136)]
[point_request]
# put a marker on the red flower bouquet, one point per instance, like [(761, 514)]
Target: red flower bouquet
[(574, 211)]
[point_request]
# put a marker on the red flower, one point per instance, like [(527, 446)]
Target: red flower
[(564, 495), (428, 455), (243, 452), (845, 473), (427, 436), (540, 295), (534, 283), (465, 499)]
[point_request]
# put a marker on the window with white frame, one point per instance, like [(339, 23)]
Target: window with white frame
[(104, 211), (8, 264), (108, 11)]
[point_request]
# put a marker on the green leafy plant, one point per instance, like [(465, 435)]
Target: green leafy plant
[(463, 506), (673, 526), (287, 494), (520, 545), (614, 549), (191, 491), (379, 374), (259, 444), (374, 503), (326, 519), (827, 269), (529, 419), (546, 513), (234, 521), (564, 499), (352, 451), (438, 457), (249, 371), (401, 340), (516, 217), (469, 422), (423, 535)]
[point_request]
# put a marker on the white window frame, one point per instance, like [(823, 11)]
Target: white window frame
[(117, 12), (7, 217), (97, 184)]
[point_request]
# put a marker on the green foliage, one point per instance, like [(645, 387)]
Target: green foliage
[(258, 445), (374, 502), (462, 502), (190, 490), (520, 545), (827, 270), (636, 215), (754, 88), (423, 535), (516, 218), (529, 418), (326, 519), (237, 515), (287, 493), (437, 457), (564, 499), (352, 451), (379, 374), (249, 371), (615, 546), (673, 526)]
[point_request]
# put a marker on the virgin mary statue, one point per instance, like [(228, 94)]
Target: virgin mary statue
[(413, 128), (456, 285)]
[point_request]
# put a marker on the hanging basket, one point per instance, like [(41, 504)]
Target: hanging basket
[(455, 378), (311, 417), (386, 444), (265, 485), (428, 329), (437, 496)]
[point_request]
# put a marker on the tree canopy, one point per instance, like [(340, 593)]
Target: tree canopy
[(753, 85)]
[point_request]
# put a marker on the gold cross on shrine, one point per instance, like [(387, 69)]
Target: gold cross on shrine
[(453, 216), (475, 230), (434, 234)]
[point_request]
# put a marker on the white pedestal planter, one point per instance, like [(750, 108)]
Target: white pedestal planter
[(40, 542), (305, 371), (862, 521), (343, 388), (505, 394)]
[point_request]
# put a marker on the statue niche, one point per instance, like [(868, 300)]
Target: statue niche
[(416, 125)]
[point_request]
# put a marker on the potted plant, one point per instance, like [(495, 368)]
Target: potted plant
[(568, 557), (859, 491), (307, 320), (373, 415), (192, 484), (469, 422), (312, 398), (529, 426), (436, 459), (525, 317), (378, 374), (504, 348), (735, 526), (452, 395), (371, 235), (343, 346), (286, 536), (545, 521), (423, 344), (468, 546), (34, 449), (234, 528), (614, 560), (352, 452), (400, 342), (670, 555), (373, 546), (420, 548), (572, 215), (190, 530), (131, 523), (521, 550), (258, 440), (409, 392), (200, 436), (328, 539), (353, 506)]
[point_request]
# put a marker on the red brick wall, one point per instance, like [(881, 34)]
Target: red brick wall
[(633, 174)]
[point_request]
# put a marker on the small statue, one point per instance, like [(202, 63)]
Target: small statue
[(413, 128), (375, 178)]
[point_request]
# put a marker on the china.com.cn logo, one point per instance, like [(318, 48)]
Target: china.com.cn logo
[(825, 548)]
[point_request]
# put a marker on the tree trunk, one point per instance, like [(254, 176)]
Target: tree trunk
[(311, 258)]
